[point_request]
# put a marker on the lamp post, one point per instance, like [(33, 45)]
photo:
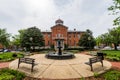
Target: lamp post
[(31, 39), (89, 39)]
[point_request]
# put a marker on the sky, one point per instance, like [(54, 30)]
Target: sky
[(79, 14)]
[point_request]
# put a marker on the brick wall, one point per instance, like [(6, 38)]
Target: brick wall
[(59, 31)]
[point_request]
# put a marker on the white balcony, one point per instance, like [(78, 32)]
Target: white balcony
[(55, 38)]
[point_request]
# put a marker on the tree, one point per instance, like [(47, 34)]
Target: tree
[(32, 37), (115, 8), (16, 41), (87, 40), (17, 38), (98, 40), (115, 36), (104, 39), (4, 37), (115, 32), (112, 37)]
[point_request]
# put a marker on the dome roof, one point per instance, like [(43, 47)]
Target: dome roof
[(59, 21)]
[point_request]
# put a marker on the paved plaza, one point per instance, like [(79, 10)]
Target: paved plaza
[(61, 69)]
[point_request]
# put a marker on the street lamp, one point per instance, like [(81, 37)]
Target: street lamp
[(31, 39), (89, 39)]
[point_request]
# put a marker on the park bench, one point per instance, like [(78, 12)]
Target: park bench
[(94, 60), (28, 61)]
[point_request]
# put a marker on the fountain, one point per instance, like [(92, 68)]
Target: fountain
[(59, 54)]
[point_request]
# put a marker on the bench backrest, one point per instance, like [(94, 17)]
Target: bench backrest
[(27, 60), (95, 59), (100, 54)]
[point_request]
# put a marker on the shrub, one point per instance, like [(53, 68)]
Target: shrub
[(112, 75), (6, 76), (82, 78), (66, 46), (52, 46), (96, 74), (73, 51), (14, 55), (9, 74), (80, 49)]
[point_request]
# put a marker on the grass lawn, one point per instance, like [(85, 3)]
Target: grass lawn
[(8, 56), (109, 75), (112, 55)]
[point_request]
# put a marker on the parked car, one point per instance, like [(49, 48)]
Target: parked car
[(96, 47), (118, 47), (6, 50), (107, 48), (1, 50)]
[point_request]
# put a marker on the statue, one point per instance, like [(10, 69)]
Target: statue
[(59, 48)]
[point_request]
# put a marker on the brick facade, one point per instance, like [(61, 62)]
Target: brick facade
[(61, 32), (1, 46)]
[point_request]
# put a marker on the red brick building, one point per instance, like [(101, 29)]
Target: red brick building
[(61, 32), (1, 46)]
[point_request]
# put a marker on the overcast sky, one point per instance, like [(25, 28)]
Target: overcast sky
[(79, 14)]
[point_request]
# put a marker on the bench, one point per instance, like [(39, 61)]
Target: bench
[(94, 60), (28, 61)]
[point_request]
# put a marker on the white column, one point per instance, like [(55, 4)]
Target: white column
[(63, 44)]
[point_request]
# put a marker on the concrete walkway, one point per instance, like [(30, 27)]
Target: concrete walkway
[(61, 69)]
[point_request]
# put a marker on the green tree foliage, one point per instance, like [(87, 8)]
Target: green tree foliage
[(115, 8), (17, 38), (104, 39), (115, 36), (98, 40), (4, 37), (87, 40), (32, 37), (112, 37), (16, 41)]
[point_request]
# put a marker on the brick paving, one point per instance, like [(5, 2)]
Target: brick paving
[(4, 64), (116, 65)]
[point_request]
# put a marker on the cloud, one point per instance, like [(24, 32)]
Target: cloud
[(20, 14), (86, 14), (79, 14)]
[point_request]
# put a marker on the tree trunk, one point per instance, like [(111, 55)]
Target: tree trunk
[(33, 48), (115, 46)]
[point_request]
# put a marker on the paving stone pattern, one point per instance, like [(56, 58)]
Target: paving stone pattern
[(61, 69)]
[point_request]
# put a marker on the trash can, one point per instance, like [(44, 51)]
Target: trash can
[(100, 54)]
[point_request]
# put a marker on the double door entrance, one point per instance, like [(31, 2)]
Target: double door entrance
[(59, 43)]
